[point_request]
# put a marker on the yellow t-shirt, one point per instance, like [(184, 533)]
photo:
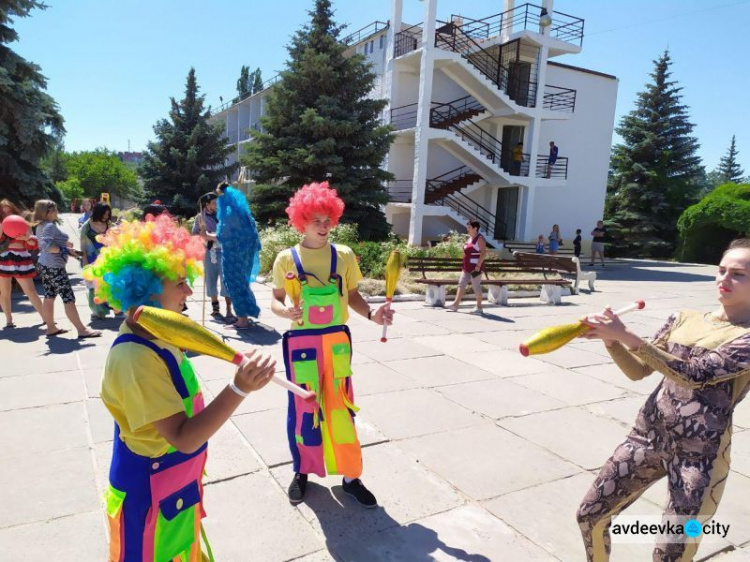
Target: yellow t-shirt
[(138, 390), (318, 262)]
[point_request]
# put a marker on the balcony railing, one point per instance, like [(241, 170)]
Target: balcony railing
[(443, 114), (558, 170), (559, 99), (362, 34), (408, 40), (399, 191), (469, 209), (524, 17), (404, 117)]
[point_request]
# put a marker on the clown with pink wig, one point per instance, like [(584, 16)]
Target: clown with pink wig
[(317, 348)]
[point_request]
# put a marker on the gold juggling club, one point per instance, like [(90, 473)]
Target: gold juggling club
[(293, 289), (392, 273), (555, 337), (182, 332)]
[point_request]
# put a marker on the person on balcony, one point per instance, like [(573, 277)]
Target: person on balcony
[(552, 158), (472, 267), (517, 160)]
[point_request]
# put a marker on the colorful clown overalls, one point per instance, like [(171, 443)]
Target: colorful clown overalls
[(154, 505), (317, 356)]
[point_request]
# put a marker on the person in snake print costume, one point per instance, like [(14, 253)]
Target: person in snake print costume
[(684, 430)]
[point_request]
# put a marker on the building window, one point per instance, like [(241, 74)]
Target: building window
[(382, 38), (372, 46)]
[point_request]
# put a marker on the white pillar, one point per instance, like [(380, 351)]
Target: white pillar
[(390, 76), (506, 32), (422, 131)]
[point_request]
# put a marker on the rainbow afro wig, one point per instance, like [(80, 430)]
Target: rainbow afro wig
[(137, 256), (312, 199)]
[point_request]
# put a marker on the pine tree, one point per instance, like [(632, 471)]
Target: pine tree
[(257, 81), (29, 118), (189, 156), (656, 172), (244, 84), (320, 125), (729, 170)]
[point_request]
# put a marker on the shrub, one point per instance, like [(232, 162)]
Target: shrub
[(274, 239), (707, 227)]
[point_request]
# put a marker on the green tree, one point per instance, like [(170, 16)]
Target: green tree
[(29, 118), (257, 81), (729, 169), (53, 163), (321, 125), (102, 171), (707, 227), (189, 156), (71, 189), (244, 84), (656, 172)]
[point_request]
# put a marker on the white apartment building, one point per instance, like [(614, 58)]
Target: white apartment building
[(463, 92)]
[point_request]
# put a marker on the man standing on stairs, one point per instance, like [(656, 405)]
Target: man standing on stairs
[(517, 160)]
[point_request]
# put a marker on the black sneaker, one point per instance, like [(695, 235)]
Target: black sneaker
[(297, 488), (357, 490)]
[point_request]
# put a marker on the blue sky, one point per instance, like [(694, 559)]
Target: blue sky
[(112, 65)]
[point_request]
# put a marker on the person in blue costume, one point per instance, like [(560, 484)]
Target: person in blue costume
[(240, 258)]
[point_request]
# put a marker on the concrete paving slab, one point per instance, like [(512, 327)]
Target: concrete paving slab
[(504, 363), (571, 388), (37, 361), (573, 434), (452, 343), (623, 410), (500, 398), (741, 453), (570, 358), (272, 396), (741, 415), (465, 533), (31, 431), (395, 413), (101, 421), (68, 539), (47, 485), (430, 372), (405, 491), (375, 378), (249, 518), (487, 461), (41, 389), (92, 378), (229, 456), (393, 350), (611, 374)]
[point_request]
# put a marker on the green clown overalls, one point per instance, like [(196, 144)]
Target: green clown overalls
[(317, 356)]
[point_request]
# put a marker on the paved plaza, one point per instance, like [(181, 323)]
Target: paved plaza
[(474, 452)]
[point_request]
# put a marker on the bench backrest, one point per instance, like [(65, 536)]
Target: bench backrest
[(429, 264), (560, 264)]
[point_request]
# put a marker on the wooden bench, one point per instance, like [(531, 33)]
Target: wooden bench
[(564, 266), (498, 288)]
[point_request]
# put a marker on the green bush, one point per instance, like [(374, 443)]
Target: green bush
[(274, 239), (707, 227)]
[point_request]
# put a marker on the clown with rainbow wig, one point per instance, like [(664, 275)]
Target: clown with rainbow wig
[(154, 500), (317, 348)]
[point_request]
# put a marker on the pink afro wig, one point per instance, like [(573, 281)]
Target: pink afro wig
[(312, 199)]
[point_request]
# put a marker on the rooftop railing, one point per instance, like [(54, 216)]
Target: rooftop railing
[(408, 40), (524, 17), (267, 84), (362, 34)]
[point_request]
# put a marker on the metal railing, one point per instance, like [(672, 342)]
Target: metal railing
[(557, 170), (559, 99), (267, 84), (469, 209), (524, 17), (462, 108), (449, 36), (463, 175), (404, 117), (362, 34), (399, 191), (407, 40)]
